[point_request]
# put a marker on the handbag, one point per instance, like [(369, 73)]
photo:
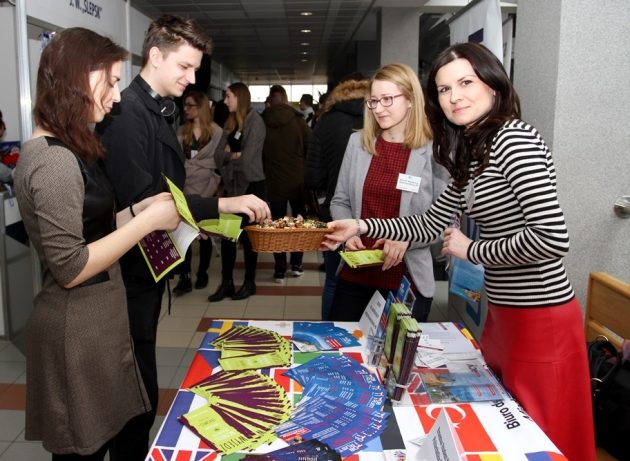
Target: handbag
[(610, 387)]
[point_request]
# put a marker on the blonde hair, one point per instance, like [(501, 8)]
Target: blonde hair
[(417, 130), (205, 120)]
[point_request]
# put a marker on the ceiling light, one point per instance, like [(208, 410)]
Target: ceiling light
[(306, 31), (306, 13), (304, 52), (305, 44), (304, 60)]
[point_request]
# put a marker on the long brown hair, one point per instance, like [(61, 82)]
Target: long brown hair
[(64, 104), (455, 146), (205, 120), (244, 101)]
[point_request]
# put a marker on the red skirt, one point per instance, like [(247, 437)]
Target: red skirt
[(539, 353)]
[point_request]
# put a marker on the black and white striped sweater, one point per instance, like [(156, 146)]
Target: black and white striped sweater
[(514, 202)]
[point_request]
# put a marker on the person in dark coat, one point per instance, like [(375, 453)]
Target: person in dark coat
[(142, 148), (343, 114), (283, 158)]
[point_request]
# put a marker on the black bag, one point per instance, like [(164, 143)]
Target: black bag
[(610, 385)]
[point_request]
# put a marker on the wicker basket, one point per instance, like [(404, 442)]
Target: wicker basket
[(269, 240)]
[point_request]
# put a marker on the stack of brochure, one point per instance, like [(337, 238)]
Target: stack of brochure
[(341, 404), (362, 258), (242, 410), (321, 336), (404, 355), (252, 348)]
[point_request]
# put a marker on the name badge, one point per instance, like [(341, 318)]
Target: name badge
[(193, 153), (408, 183), (237, 135)]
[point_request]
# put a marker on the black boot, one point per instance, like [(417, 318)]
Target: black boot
[(247, 289), (183, 286), (225, 289), (202, 280)]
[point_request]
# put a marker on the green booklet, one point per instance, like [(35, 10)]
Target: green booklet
[(163, 250), (227, 226), (362, 258)]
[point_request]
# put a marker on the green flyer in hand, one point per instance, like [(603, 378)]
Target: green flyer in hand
[(227, 226), (362, 258)]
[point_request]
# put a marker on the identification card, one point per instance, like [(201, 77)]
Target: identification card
[(193, 153), (237, 135), (408, 183)]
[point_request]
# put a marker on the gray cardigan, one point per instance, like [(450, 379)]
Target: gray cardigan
[(237, 174), (347, 200)]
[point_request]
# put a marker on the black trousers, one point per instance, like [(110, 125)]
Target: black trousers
[(351, 299), (228, 249), (205, 253), (144, 301), (278, 210)]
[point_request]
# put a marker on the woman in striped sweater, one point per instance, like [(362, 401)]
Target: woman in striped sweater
[(504, 178)]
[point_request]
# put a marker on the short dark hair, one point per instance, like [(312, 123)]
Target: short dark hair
[(64, 98), (168, 32), (307, 98), (280, 92)]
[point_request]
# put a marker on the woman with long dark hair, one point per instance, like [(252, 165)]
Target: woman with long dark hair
[(83, 383), (239, 159), (504, 178)]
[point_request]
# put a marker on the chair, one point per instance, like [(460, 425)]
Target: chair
[(607, 308)]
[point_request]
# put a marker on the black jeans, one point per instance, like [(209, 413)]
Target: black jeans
[(278, 210), (351, 299), (205, 253), (228, 249)]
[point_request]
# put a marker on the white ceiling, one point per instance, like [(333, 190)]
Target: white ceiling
[(261, 40)]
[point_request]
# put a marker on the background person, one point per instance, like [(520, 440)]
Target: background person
[(82, 384), (199, 137), (239, 159), (283, 159), (307, 110), (142, 148), (395, 141), (504, 178), (342, 115)]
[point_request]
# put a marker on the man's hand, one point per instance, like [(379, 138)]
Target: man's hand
[(255, 208)]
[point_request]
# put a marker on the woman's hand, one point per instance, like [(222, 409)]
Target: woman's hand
[(235, 156), (455, 243), (341, 231), (354, 243), (161, 213), (144, 204), (393, 252)]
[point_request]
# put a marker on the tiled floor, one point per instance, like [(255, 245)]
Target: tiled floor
[(179, 334)]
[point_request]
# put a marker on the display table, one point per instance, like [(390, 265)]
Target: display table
[(493, 431)]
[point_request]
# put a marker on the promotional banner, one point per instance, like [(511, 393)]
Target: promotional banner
[(481, 23)]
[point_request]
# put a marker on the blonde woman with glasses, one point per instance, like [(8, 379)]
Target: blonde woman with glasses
[(388, 171)]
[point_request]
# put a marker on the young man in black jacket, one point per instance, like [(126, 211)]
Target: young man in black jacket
[(142, 147)]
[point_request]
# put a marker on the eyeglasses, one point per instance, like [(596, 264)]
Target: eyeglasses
[(190, 105), (385, 101)]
